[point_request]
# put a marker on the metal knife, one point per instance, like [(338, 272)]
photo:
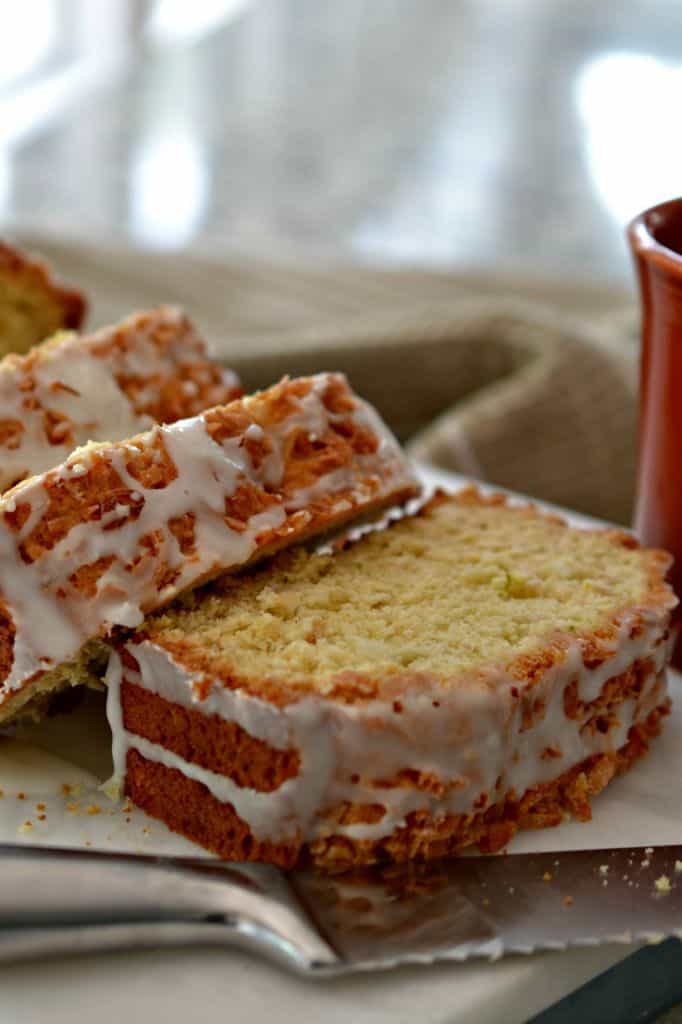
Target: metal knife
[(58, 901)]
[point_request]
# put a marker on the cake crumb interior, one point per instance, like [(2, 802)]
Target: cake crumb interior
[(468, 583)]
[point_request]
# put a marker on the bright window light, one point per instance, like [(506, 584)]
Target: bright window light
[(185, 21), (169, 188), (630, 106), (27, 34)]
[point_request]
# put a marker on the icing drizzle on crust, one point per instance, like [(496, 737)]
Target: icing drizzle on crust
[(121, 529), (468, 747), (105, 386)]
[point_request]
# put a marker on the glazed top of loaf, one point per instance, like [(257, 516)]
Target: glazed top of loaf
[(120, 529), (470, 589), (105, 386), (33, 304)]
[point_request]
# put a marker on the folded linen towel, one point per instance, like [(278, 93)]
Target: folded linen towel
[(526, 384)]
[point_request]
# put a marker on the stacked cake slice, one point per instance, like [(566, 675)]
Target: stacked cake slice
[(121, 528), (106, 386), (33, 305)]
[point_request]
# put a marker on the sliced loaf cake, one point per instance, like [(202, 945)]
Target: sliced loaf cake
[(120, 529), (33, 305), (106, 386), (469, 671)]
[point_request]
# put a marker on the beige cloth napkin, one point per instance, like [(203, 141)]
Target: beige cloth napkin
[(525, 384)]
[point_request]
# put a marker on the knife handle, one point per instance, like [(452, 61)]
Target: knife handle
[(50, 897)]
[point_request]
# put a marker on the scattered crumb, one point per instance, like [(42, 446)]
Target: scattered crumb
[(603, 869), (630, 882), (26, 827), (568, 901), (486, 902), (40, 807), (662, 884), (42, 817), (127, 806), (2, 793), (66, 789), (678, 866), (88, 843), (645, 863), (556, 863), (93, 809), (511, 890), (128, 820), (649, 850), (73, 807), (605, 882), (146, 830), (21, 796), (112, 789), (547, 877)]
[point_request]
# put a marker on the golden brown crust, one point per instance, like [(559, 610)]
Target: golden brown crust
[(357, 687), (207, 740), (32, 303), (189, 808)]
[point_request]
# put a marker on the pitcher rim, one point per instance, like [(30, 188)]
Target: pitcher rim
[(643, 241)]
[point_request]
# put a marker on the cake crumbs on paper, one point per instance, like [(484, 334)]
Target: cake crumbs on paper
[(73, 807), (40, 807), (42, 817), (21, 796), (547, 877), (662, 884), (93, 809), (2, 793), (25, 827), (568, 901)]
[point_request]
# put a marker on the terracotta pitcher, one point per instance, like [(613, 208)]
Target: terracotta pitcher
[(656, 240)]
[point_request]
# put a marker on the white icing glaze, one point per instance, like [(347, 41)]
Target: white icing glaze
[(470, 737), (78, 380), (207, 473)]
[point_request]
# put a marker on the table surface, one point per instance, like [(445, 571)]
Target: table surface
[(517, 135)]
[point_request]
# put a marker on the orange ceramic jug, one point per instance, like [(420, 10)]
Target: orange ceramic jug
[(656, 240)]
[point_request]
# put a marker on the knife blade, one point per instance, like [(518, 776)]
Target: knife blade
[(55, 901)]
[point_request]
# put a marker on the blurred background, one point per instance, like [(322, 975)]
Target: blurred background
[(515, 134), (429, 195)]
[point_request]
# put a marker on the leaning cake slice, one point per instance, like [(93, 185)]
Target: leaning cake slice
[(120, 529), (33, 305), (469, 671), (106, 386)]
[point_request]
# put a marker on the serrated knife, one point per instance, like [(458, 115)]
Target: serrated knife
[(59, 901)]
